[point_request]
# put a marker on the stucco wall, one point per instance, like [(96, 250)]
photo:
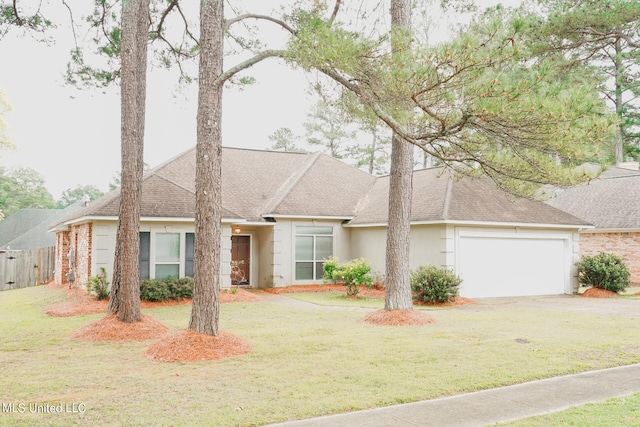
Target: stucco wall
[(624, 244), (428, 246), (284, 247)]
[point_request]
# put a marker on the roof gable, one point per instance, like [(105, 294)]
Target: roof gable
[(611, 201), (438, 196), (324, 187), (255, 184)]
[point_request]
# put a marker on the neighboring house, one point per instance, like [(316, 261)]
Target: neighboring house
[(612, 204), (27, 248), (284, 213), (28, 228)]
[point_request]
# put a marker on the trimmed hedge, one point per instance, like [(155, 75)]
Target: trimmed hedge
[(166, 289)]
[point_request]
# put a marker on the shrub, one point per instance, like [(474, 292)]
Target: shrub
[(352, 274), (181, 288), (434, 285), (166, 289), (604, 271), (329, 266), (99, 285), (154, 290)]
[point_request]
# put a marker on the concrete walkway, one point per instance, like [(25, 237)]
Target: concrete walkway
[(283, 300), (492, 406), (502, 404)]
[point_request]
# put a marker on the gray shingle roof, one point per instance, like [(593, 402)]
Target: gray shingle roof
[(260, 184), (28, 228), (255, 184), (438, 196), (610, 202)]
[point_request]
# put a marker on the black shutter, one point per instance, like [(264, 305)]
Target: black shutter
[(145, 249), (188, 254)]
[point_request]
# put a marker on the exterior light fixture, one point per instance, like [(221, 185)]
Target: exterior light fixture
[(236, 229)]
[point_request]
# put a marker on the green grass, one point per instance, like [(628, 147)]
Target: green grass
[(339, 299), (615, 412), (303, 363)]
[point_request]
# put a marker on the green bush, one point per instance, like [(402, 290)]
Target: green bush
[(166, 289), (329, 266), (351, 274), (154, 290), (181, 288), (434, 285), (604, 271), (99, 285)]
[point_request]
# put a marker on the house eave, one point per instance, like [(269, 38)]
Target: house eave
[(595, 230), (318, 217), (84, 219), (481, 224)]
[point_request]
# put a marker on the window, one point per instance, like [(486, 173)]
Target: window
[(313, 246), (167, 255)]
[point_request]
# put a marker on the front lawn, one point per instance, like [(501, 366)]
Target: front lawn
[(303, 363)]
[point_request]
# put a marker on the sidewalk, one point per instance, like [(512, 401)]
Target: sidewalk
[(488, 407)]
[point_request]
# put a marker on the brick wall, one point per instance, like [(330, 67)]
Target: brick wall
[(61, 260), (81, 238), (624, 244), (78, 238)]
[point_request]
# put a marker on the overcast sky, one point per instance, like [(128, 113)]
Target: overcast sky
[(72, 137)]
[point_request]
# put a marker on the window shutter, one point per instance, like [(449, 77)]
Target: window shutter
[(144, 260)]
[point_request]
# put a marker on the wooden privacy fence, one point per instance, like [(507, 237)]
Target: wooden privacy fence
[(20, 269)]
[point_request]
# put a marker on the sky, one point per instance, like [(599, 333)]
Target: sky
[(72, 137)]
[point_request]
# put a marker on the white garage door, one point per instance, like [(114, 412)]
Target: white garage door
[(503, 265)]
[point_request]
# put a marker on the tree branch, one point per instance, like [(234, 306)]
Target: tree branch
[(279, 22), (334, 14), (250, 62)]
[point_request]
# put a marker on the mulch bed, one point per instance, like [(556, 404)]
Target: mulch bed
[(109, 328), (190, 346), (598, 293), (398, 318), (82, 303)]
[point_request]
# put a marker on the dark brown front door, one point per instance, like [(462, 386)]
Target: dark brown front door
[(240, 260)]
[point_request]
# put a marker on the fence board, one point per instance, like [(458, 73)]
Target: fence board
[(20, 269)]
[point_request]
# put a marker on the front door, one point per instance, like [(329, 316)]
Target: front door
[(240, 260)]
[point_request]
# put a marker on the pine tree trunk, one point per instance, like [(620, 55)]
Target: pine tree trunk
[(397, 282), (619, 142), (206, 288), (125, 287)]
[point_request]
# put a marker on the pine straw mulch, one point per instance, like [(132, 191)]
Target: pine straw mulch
[(183, 346), (110, 328), (82, 303), (398, 318), (190, 346), (598, 293)]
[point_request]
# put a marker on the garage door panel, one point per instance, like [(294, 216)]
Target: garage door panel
[(511, 266)]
